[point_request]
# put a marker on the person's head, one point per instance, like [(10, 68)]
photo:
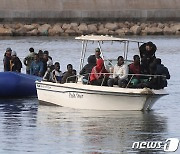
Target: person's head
[(46, 52), (13, 54), (45, 56), (69, 68), (74, 72), (8, 52), (136, 59), (40, 53), (120, 60), (100, 63), (97, 53), (31, 49), (57, 66), (36, 57), (150, 46), (92, 59), (158, 61)]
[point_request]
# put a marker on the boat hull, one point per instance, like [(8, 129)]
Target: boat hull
[(96, 98)]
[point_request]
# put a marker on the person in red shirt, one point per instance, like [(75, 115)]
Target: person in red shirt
[(98, 76), (135, 68)]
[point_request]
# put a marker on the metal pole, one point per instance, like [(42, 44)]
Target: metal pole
[(124, 49), (83, 56), (127, 49), (82, 50)]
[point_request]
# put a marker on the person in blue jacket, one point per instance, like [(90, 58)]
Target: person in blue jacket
[(36, 66)]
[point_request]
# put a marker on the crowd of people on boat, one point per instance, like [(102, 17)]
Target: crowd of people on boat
[(145, 71), (39, 64)]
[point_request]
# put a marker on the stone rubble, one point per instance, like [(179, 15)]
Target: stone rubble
[(75, 29)]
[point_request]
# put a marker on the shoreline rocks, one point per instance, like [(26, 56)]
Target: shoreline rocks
[(75, 29)]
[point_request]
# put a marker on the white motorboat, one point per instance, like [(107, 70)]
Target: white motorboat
[(82, 96)]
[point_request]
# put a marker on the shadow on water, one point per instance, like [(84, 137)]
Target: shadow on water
[(103, 131), (18, 105)]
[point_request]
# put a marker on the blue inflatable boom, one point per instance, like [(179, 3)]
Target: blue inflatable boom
[(14, 84)]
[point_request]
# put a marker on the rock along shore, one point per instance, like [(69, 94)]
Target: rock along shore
[(74, 29)]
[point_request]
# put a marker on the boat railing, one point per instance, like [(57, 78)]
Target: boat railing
[(79, 78)]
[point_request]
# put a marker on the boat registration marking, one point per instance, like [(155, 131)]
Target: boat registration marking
[(75, 95), (44, 86)]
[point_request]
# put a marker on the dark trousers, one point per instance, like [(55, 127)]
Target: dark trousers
[(116, 81), (27, 71), (100, 82)]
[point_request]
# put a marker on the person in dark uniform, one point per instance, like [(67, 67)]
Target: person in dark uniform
[(86, 70), (7, 59), (147, 53)]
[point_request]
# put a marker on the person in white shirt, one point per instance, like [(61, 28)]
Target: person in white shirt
[(53, 73), (120, 74), (56, 75)]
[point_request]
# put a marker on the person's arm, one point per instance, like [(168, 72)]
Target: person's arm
[(25, 61), (167, 73), (49, 62), (19, 65), (31, 69), (41, 69), (64, 78), (53, 76), (4, 62), (46, 76), (115, 71), (96, 74), (82, 72)]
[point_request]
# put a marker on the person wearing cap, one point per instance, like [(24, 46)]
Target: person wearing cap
[(15, 63), (28, 60), (7, 59)]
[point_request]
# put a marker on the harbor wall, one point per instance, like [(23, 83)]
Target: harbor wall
[(89, 10)]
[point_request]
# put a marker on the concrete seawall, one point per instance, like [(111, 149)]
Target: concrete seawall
[(89, 10)]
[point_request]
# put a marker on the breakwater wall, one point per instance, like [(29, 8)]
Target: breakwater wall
[(77, 28), (89, 10)]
